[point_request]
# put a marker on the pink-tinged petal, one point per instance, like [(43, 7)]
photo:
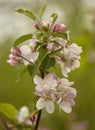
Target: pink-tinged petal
[(50, 46), (49, 106), (66, 107), (45, 24), (40, 104), (37, 80), (72, 92)]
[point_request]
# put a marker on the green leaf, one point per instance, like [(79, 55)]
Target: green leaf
[(59, 34), (27, 13), (22, 39), (42, 54), (32, 69), (8, 110), (42, 11), (48, 62), (21, 73)]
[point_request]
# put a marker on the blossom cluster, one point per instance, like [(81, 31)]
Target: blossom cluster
[(49, 45), (53, 89)]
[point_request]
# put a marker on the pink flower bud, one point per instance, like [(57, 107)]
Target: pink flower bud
[(16, 51), (37, 26), (13, 60), (59, 28), (33, 118), (45, 24)]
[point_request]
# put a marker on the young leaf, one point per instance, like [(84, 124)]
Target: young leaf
[(22, 39), (27, 13), (21, 73), (8, 110), (60, 34), (32, 69), (42, 11), (48, 62), (42, 54)]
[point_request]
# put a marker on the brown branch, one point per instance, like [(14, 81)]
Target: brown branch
[(38, 120)]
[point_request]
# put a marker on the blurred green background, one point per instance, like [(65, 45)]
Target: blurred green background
[(79, 15)]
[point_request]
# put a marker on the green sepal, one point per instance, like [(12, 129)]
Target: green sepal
[(22, 39), (60, 34)]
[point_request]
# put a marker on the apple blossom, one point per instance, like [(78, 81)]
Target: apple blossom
[(71, 56), (66, 99), (48, 83)]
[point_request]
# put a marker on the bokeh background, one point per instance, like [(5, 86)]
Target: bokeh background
[(79, 16)]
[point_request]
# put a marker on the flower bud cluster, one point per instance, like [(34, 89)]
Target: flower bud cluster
[(24, 54)]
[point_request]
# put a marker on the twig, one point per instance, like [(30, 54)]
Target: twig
[(38, 120)]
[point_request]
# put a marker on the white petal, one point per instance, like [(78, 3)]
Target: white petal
[(64, 70), (34, 56), (50, 106), (37, 80), (66, 107), (40, 104)]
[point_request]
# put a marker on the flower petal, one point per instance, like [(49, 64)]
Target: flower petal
[(40, 104), (50, 106), (37, 80), (66, 107)]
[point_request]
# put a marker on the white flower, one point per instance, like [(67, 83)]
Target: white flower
[(48, 83), (22, 116), (45, 90), (66, 99), (48, 104), (28, 53), (64, 83), (71, 56)]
